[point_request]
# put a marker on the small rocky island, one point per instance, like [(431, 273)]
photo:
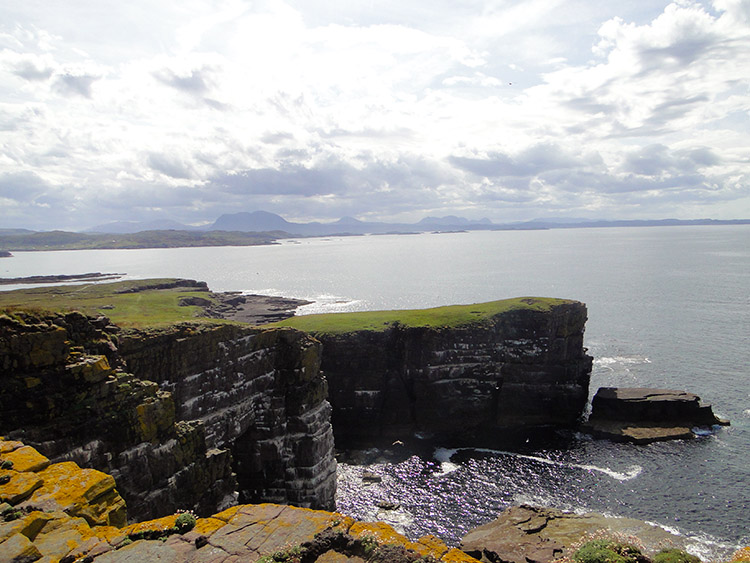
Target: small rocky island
[(642, 415)]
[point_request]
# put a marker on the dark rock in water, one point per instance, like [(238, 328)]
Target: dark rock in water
[(370, 477), (643, 415), (528, 534), (5, 254)]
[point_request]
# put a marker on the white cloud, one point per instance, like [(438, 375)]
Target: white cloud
[(389, 110)]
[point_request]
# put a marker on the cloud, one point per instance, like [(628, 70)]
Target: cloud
[(195, 81), (70, 84), (28, 70), (22, 186), (381, 111), (169, 166), (531, 161)]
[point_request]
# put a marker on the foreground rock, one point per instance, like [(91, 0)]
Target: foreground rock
[(643, 415), (61, 513), (527, 534)]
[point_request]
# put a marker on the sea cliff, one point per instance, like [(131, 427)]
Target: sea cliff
[(470, 375), (211, 407)]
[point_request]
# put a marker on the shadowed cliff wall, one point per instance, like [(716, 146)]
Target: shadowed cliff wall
[(167, 432), (519, 370)]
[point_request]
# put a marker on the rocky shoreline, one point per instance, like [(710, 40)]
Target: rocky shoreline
[(92, 276), (249, 308)]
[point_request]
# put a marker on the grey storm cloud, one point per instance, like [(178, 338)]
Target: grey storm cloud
[(197, 82), (29, 71), (75, 85), (169, 166), (22, 186), (530, 162), (333, 177), (658, 160)]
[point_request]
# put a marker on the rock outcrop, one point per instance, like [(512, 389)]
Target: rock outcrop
[(643, 415), (167, 433), (521, 369), (258, 392), (61, 513), (529, 534)]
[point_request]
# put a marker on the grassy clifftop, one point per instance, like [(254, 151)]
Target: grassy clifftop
[(449, 316), (133, 303)]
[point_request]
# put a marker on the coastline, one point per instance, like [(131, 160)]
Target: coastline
[(252, 308)]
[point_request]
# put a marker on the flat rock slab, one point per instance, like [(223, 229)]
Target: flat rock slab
[(642, 415), (528, 534)]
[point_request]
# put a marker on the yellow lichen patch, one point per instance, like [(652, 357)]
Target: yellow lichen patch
[(228, 514), (62, 536), (9, 446), (91, 369), (384, 534), (29, 526), (155, 415), (340, 522), (457, 556), (26, 458), (19, 487), (433, 545), (741, 555), (159, 525), (207, 526), (80, 492)]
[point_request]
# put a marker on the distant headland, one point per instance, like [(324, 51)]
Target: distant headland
[(262, 227)]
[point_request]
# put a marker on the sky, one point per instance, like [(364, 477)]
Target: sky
[(379, 110)]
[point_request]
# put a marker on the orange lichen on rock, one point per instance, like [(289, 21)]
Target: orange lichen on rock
[(80, 492), (26, 458), (16, 486), (158, 525)]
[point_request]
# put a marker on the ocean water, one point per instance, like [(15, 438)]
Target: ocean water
[(668, 307)]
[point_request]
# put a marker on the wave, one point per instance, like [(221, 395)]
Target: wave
[(443, 455), (607, 361)]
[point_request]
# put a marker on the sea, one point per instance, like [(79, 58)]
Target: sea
[(668, 307)]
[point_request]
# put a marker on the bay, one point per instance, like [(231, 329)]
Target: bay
[(668, 307)]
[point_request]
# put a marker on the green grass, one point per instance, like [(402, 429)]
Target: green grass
[(450, 316), (143, 308)]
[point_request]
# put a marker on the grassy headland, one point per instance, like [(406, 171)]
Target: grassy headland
[(132, 303), (448, 316), (63, 240)]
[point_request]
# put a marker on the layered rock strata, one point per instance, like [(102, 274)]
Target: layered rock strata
[(67, 389), (473, 384), (642, 415), (258, 392)]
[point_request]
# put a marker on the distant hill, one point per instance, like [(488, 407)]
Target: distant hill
[(265, 221), (262, 227), (63, 240)]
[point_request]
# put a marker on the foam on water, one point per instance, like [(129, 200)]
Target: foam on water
[(631, 473)]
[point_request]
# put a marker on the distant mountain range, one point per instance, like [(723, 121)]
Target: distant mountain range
[(265, 222)]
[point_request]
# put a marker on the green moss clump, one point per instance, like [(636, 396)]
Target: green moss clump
[(674, 556), (608, 551), (185, 522)]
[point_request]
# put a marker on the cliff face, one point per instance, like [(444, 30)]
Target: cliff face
[(258, 392), (167, 427), (520, 369), (63, 390)]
